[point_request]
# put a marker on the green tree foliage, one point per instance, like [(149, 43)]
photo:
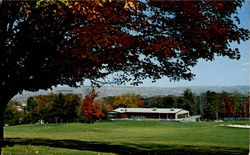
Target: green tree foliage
[(189, 101), (128, 101), (38, 108), (13, 113), (156, 101), (210, 105), (169, 102), (71, 107), (109, 100), (181, 102), (53, 108), (65, 107), (29, 116)]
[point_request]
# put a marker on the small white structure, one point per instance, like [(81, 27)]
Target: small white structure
[(196, 118), (152, 113)]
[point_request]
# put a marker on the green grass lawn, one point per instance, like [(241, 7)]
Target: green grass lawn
[(127, 137)]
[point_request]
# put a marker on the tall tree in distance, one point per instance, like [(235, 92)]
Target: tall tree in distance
[(30, 115), (128, 101), (226, 105), (88, 109), (211, 105), (72, 104), (189, 101), (45, 43)]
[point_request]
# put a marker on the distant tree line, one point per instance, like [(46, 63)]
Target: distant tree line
[(64, 108), (56, 108), (210, 105), (51, 108)]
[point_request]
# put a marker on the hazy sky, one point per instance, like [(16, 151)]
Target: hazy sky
[(222, 71)]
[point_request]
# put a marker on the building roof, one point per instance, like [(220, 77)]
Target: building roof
[(150, 110)]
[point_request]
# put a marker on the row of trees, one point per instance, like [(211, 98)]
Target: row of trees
[(209, 105), (55, 108), (223, 105), (64, 108), (51, 108)]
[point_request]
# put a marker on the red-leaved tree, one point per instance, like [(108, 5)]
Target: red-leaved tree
[(88, 109), (226, 105)]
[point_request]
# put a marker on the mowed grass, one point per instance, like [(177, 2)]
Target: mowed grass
[(127, 137)]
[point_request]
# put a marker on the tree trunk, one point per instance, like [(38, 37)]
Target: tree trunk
[(1, 129), (2, 108), (4, 99), (56, 119)]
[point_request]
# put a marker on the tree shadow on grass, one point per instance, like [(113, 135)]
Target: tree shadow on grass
[(127, 148)]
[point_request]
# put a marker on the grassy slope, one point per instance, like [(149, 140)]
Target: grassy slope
[(129, 137)]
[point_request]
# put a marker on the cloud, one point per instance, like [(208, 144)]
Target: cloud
[(245, 64), (245, 69)]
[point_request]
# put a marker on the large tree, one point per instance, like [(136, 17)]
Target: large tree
[(45, 43)]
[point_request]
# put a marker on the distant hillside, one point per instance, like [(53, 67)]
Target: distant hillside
[(143, 91)]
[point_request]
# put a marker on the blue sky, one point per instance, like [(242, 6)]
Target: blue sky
[(222, 71)]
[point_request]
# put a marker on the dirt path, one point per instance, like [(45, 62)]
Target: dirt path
[(240, 126)]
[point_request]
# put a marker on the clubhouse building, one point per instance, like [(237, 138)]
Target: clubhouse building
[(149, 113)]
